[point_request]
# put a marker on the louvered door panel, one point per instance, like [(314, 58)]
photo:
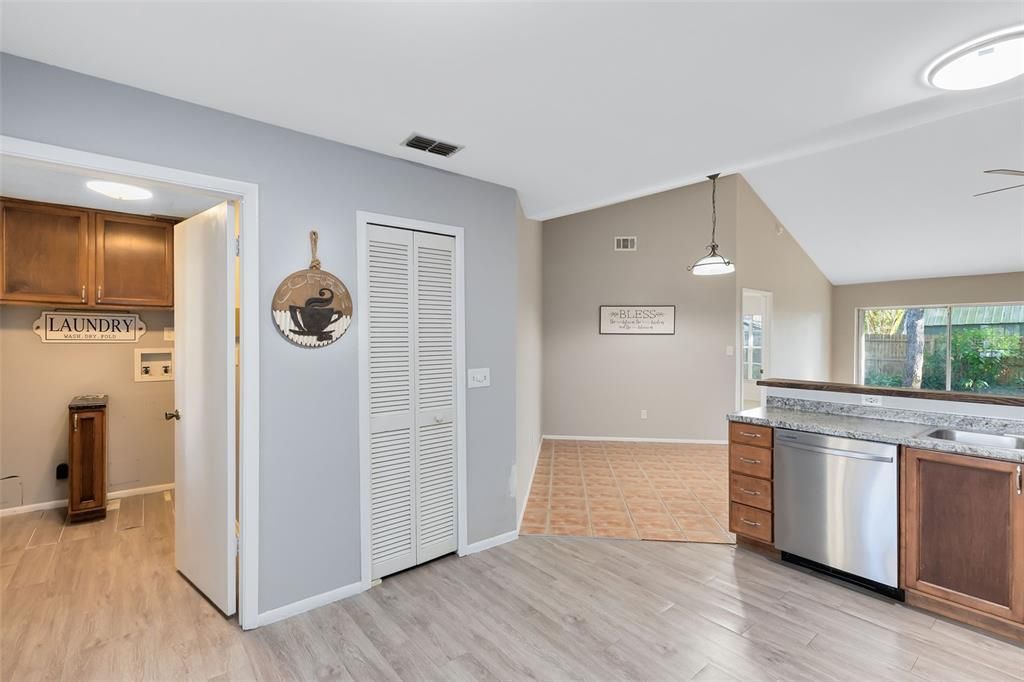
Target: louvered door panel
[(392, 417), (434, 267)]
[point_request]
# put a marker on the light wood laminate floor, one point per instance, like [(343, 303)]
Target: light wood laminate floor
[(102, 602)]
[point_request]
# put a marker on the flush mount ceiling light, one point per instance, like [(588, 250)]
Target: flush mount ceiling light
[(985, 61), (713, 263), (119, 190)]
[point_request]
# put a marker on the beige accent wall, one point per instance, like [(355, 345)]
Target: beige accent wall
[(36, 382), (769, 259), (1006, 287), (529, 358), (597, 385)]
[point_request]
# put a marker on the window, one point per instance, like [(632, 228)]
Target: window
[(972, 348), (753, 347)]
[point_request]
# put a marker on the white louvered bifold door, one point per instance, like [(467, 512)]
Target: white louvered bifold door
[(392, 401), (434, 367)]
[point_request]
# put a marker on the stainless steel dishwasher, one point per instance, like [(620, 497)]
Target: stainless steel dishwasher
[(836, 507)]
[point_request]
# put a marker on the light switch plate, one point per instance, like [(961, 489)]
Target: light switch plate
[(730, 350), (168, 333), (479, 378)]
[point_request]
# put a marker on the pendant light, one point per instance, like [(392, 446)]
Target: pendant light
[(713, 263)]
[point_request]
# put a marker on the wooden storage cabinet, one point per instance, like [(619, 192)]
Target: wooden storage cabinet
[(750, 482), (87, 458), (963, 533), (68, 256), (44, 253)]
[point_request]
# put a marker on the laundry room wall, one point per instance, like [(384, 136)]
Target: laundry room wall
[(37, 380), (309, 466)]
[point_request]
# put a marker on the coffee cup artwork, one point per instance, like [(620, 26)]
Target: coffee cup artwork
[(312, 308)]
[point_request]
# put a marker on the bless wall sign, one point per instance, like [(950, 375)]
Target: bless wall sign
[(71, 327), (637, 319)]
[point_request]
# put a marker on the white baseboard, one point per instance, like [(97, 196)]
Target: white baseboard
[(145, 490), (56, 504), (308, 604), (489, 542), (529, 488), (621, 439)]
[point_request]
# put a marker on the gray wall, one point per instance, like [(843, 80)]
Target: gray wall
[(529, 342), (309, 487), (596, 385), (769, 259), (1008, 287), (38, 381)]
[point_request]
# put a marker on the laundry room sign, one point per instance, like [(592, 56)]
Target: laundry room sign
[(74, 327)]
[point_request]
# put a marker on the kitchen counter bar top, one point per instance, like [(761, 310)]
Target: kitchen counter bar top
[(864, 428)]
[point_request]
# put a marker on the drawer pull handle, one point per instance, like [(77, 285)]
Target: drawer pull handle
[(76, 423), (750, 435), (83, 293), (750, 492), (751, 523), (750, 461), (99, 293)]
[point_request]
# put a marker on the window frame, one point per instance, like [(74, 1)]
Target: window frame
[(858, 330)]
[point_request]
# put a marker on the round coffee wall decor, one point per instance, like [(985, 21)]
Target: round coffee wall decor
[(312, 308)]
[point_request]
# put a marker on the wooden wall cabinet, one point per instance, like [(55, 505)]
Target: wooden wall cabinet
[(963, 537), (87, 459), (69, 256), (750, 482)]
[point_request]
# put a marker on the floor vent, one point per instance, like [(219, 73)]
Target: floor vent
[(427, 144), (625, 243)]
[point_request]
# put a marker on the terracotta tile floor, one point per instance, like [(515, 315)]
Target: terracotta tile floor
[(648, 491)]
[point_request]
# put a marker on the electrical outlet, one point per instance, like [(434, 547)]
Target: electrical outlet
[(643, 414), (873, 400)]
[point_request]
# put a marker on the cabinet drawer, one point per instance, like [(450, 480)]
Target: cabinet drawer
[(755, 492), (751, 522), (750, 461), (761, 436)]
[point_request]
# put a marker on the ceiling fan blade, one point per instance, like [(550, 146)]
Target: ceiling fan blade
[(993, 191), (1006, 171)]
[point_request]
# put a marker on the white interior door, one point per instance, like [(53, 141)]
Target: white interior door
[(434, 267), (204, 395), (412, 401), (754, 349)]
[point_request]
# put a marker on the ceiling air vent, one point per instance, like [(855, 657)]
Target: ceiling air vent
[(427, 144), (625, 243)]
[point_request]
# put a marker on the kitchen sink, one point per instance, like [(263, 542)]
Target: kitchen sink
[(988, 440)]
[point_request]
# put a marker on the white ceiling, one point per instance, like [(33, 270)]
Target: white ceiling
[(900, 206), (38, 181), (575, 105)]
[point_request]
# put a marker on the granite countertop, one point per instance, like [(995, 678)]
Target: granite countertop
[(864, 428)]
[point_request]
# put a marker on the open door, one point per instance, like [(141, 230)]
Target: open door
[(204, 398), (755, 352)]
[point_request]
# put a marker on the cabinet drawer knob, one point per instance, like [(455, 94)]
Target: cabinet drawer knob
[(747, 434), (751, 523), (750, 461), (750, 492)]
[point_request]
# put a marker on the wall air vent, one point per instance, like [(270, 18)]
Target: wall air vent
[(625, 243), (427, 144)]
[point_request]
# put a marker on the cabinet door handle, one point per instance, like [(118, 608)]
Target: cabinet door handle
[(75, 420), (750, 492), (750, 435), (99, 293), (751, 523), (83, 293), (750, 461), (1020, 482)]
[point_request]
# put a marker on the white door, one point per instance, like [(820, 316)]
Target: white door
[(411, 320), (754, 348), (204, 396)]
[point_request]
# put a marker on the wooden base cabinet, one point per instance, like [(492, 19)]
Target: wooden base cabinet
[(750, 482), (963, 537), (87, 459)]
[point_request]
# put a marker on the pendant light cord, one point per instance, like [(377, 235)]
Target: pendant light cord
[(714, 206)]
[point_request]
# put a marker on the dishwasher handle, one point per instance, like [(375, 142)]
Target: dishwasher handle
[(851, 454)]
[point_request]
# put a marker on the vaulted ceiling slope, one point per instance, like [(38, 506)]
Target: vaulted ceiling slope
[(576, 105), (901, 206)]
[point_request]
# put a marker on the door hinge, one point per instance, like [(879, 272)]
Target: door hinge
[(238, 246), (238, 545)]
